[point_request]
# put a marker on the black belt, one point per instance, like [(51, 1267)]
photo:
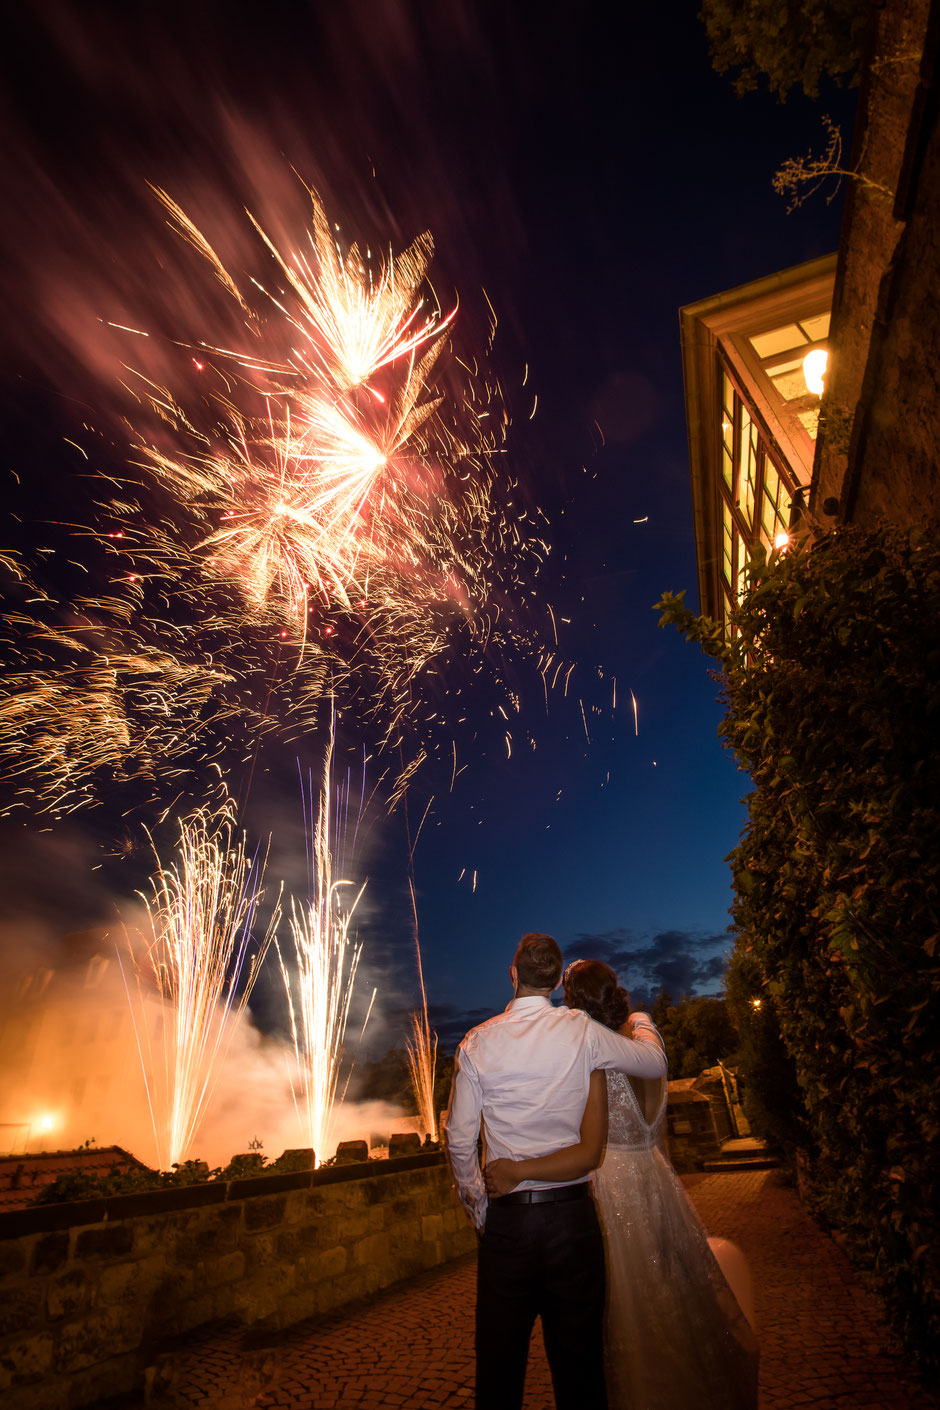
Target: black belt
[(553, 1196)]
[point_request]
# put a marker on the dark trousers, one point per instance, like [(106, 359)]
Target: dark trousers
[(541, 1260)]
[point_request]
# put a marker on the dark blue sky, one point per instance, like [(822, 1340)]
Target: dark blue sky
[(587, 167)]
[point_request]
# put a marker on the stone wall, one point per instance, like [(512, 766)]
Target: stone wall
[(91, 1291), (690, 1124)]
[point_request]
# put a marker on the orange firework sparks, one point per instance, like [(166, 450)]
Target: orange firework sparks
[(337, 478), (324, 510), (421, 1047), (202, 911)]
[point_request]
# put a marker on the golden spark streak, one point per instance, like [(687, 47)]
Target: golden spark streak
[(319, 984), (202, 912), (421, 1047)]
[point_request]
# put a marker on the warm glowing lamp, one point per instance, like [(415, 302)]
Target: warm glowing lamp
[(814, 370), (46, 1123), (782, 539), (755, 1003)]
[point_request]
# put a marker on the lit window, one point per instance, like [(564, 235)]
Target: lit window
[(778, 340), (749, 445), (775, 506), (727, 546), (727, 431), (816, 329), (787, 379), (742, 565), (744, 428)]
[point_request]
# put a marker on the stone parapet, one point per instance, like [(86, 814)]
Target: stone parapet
[(92, 1290)]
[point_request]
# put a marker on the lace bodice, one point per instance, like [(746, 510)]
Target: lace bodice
[(627, 1127)]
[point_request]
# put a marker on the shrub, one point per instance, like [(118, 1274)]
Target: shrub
[(832, 688), (119, 1180)]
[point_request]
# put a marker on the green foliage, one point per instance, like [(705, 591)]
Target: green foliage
[(121, 1180), (770, 1091), (787, 44), (697, 1033), (832, 687)]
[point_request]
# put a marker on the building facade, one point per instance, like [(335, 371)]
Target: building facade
[(753, 361)]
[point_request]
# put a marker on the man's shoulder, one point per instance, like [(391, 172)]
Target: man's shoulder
[(482, 1030), (558, 1016)]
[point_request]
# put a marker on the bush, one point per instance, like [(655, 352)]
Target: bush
[(770, 1090), (832, 687), (120, 1180)]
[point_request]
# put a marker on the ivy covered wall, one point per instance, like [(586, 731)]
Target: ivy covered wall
[(832, 688)]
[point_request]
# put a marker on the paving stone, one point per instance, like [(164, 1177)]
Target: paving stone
[(823, 1345)]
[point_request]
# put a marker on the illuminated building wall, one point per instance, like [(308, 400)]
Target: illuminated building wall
[(752, 363)]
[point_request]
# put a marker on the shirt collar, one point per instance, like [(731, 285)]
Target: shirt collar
[(529, 1001)]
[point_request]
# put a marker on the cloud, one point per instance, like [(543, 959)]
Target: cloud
[(451, 1023), (679, 961)]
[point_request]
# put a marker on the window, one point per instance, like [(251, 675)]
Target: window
[(743, 556), (727, 432), (781, 352), (775, 506), (727, 547), (755, 500)]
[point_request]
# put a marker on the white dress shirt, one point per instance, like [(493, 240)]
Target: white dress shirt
[(526, 1072)]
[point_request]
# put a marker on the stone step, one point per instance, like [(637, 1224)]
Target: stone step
[(741, 1162)]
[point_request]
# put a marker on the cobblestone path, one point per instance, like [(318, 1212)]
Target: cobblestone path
[(822, 1343)]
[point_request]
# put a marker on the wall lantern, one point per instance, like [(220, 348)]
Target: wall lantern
[(814, 370)]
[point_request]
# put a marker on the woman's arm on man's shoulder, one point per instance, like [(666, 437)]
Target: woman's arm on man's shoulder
[(639, 1055), (569, 1163)]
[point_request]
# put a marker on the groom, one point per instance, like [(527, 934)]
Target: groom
[(525, 1074)]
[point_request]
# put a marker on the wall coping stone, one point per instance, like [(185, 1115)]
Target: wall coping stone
[(274, 1184), (44, 1218), (163, 1201), (337, 1174)]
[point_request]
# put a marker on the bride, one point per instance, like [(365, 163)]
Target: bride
[(675, 1337)]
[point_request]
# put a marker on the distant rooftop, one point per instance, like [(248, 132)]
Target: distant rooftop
[(23, 1176)]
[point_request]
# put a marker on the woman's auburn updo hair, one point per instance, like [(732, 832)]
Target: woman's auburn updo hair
[(592, 986)]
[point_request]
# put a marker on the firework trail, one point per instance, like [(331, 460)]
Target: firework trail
[(202, 910), (319, 983), (421, 1048)]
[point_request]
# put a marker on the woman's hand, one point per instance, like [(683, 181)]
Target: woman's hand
[(500, 1177)]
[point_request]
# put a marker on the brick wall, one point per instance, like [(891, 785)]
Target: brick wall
[(90, 1291)]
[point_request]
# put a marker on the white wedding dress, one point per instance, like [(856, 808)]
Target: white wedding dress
[(675, 1338)]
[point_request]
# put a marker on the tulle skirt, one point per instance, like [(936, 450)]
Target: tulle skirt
[(675, 1338)]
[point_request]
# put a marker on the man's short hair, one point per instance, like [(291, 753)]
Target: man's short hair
[(538, 961)]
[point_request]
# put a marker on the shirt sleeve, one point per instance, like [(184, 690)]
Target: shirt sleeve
[(462, 1132), (643, 1055)]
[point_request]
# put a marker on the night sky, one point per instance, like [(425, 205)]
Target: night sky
[(587, 168)]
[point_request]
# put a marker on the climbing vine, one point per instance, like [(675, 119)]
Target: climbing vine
[(832, 689)]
